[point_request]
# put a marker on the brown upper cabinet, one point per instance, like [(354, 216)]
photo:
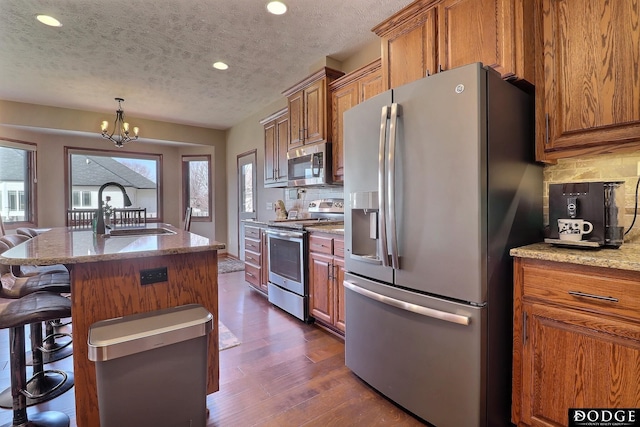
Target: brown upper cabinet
[(276, 144), (346, 92), (430, 35), (588, 101), (309, 108)]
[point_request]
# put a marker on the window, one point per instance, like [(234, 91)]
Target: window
[(196, 184), (17, 182), (247, 181), (138, 173)]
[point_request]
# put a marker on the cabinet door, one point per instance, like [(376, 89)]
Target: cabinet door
[(282, 144), (320, 287), (296, 119), (341, 100), (573, 359), (369, 86), (409, 51), (339, 306), (592, 83), (270, 151), (477, 30), (314, 113)]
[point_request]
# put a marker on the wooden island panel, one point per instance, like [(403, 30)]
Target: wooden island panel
[(108, 289)]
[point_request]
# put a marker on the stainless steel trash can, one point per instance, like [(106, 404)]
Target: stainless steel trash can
[(151, 368)]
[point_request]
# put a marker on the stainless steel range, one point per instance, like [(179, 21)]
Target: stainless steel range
[(288, 264)]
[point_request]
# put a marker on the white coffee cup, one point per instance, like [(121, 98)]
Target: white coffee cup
[(573, 229)]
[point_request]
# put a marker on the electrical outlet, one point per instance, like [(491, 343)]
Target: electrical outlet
[(153, 275), (269, 206)]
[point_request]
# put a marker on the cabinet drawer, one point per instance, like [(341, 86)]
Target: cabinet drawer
[(338, 248), (251, 232), (252, 245), (252, 274), (600, 290), (253, 258), (321, 244)]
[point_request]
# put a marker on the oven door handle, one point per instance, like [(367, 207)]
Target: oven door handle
[(413, 308), (284, 234)]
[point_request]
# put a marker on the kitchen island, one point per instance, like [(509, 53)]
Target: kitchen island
[(106, 283)]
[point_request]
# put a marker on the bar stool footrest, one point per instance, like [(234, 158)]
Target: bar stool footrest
[(42, 387)]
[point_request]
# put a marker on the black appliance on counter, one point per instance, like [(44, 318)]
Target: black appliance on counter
[(600, 203), (288, 261)]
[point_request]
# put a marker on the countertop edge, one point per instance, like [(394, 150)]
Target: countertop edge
[(627, 257), (52, 247)]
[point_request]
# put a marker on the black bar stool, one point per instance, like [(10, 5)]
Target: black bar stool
[(44, 384), (14, 315)]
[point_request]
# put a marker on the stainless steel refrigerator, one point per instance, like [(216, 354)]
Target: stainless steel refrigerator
[(440, 182)]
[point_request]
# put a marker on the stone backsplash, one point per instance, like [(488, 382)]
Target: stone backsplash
[(609, 167)]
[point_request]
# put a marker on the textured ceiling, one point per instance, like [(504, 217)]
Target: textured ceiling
[(157, 54)]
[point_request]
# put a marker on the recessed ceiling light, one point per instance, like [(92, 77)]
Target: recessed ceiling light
[(49, 20), (220, 66), (276, 7)]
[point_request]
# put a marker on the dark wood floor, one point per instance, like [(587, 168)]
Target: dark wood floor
[(285, 373)]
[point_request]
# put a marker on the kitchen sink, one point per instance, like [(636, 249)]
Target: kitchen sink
[(132, 232)]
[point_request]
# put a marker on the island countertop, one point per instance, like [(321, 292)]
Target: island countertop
[(64, 245)]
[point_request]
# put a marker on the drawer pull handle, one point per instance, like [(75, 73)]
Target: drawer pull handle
[(249, 274), (600, 297)]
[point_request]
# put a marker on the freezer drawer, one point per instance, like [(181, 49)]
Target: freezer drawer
[(426, 354)]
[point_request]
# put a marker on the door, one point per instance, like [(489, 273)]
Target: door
[(592, 83), (566, 353), (247, 193), (441, 184), (361, 144), (427, 356)]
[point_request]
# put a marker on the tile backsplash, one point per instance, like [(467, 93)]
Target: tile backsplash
[(298, 199), (607, 167)]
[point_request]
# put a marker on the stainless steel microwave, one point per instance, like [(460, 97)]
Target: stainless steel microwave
[(309, 165)]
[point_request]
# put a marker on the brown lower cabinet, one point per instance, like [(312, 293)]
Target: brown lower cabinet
[(576, 340), (326, 274), (255, 258)]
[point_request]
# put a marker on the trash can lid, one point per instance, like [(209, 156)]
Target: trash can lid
[(123, 336)]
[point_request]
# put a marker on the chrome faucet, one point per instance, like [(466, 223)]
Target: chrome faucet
[(100, 219)]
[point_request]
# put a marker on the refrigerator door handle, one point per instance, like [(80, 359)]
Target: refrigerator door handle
[(391, 183), (382, 218), (413, 308)]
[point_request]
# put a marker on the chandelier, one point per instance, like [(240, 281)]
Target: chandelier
[(120, 134)]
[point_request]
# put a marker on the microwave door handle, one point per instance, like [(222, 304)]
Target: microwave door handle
[(391, 183), (382, 219), (315, 163)]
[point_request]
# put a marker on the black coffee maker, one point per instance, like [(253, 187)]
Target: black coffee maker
[(600, 203)]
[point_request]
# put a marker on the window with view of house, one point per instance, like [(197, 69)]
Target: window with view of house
[(196, 184), (139, 174), (17, 182)]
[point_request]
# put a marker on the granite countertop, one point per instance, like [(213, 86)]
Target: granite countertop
[(329, 228), (301, 224), (255, 222), (65, 245), (627, 257)]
